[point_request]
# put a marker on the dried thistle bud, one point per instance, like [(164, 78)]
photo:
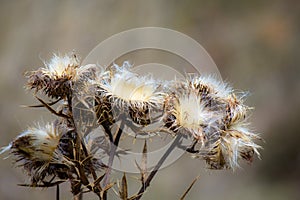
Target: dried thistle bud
[(235, 141), (209, 111), (207, 86), (187, 112), (35, 149), (58, 76), (128, 92), (62, 67), (220, 96), (234, 144), (236, 111)]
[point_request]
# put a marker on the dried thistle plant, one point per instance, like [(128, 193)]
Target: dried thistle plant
[(207, 110)]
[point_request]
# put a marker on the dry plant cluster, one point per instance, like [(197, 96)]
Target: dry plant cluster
[(209, 112)]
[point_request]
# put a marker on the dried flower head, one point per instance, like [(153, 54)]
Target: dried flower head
[(35, 149), (187, 112), (234, 141), (127, 91), (58, 76), (234, 144), (208, 110), (61, 67), (220, 96)]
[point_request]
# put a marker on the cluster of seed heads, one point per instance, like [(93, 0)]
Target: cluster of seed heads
[(201, 107)]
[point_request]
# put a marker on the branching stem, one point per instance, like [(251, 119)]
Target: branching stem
[(114, 147)]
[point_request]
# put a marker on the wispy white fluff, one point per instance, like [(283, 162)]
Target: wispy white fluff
[(239, 109), (128, 87), (238, 141), (42, 142), (191, 114), (218, 88), (190, 111), (58, 65)]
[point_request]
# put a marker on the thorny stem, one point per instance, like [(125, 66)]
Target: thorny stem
[(114, 146), (51, 109), (79, 143), (156, 168)]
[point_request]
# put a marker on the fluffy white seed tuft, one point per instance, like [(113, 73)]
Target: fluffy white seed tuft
[(130, 89), (35, 144), (190, 111)]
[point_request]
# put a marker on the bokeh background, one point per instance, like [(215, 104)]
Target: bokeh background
[(254, 43)]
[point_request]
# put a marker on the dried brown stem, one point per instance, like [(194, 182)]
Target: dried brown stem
[(114, 146), (57, 192), (78, 147)]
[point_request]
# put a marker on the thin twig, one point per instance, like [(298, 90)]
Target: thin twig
[(112, 154), (45, 185), (41, 105), (108, 132), (57, 192), (51, 109)]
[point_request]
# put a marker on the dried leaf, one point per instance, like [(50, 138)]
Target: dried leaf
[(143, 166), (51, 109), (144, 163), (107, 187), (124, 190)]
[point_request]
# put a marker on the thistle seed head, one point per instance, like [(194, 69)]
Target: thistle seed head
[(58, 76), (187, 112), (234, 144), (61, 67), (35, 150), (37, 143), (210, 111), (129, 92)]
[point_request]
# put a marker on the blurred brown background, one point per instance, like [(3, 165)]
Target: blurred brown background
[(254, 43)]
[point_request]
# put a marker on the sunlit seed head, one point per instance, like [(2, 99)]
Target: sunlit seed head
[(128, 88), (36, 144), (186, 112), (237, 143), (62, 66), (60, 74), (234, 144), (190, 111), (131, 88)]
